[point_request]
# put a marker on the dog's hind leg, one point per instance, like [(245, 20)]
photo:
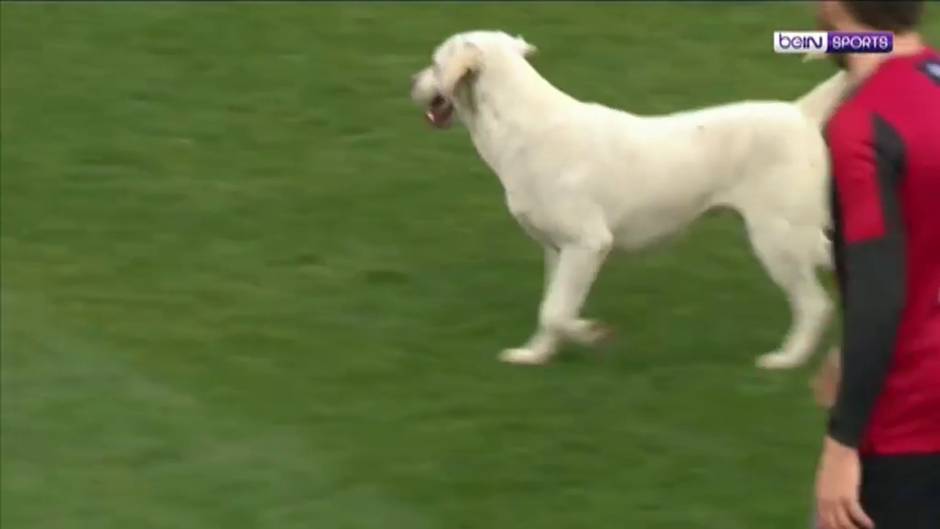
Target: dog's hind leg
[(790, 254), (569, 274)]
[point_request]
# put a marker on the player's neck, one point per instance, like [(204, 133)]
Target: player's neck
[(862, 65)]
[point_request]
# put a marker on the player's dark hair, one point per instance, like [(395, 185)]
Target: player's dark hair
[(898, 16)]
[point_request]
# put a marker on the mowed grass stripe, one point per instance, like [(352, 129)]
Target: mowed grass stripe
[(143, 454)]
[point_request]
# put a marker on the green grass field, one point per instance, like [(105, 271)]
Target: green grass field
[(244, 286)]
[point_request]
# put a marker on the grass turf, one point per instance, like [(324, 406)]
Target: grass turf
[(243, 286)]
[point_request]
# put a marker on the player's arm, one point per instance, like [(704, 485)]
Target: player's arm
[(867, 159)]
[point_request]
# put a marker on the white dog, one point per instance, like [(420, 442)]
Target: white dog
[(583, 179)]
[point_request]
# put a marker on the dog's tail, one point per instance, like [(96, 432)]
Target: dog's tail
[(818, 105), (822, 100)]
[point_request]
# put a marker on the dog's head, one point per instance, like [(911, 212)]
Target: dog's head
[(455, 65)]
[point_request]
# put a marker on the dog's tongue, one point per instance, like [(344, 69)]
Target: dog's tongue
[(439, 112), (438, 116)]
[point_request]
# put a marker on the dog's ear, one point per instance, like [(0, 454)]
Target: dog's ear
[(466, 60), (527, 50)]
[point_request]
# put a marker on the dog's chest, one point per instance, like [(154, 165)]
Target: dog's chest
[(539, 222)]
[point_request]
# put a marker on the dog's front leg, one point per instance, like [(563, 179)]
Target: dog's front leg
[(570, 272), (551, 263)]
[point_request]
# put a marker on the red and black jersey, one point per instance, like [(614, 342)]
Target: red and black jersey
[(885, 147)]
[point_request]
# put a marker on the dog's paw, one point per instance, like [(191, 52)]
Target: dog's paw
[(592, 333), (777, 360), (523, 356)]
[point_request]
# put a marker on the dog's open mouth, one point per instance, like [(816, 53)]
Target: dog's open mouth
[(440, 112)]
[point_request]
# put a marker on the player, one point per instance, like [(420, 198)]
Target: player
[(880, 464)]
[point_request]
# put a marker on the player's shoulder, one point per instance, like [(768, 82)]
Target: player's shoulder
[(928, 66), (886, 93), (901, 77)]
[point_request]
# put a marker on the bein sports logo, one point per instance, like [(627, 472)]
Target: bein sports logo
[(833, 42)]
